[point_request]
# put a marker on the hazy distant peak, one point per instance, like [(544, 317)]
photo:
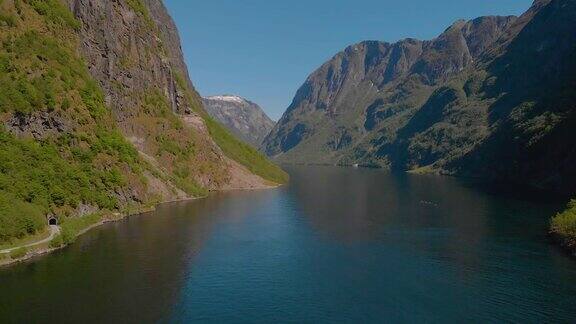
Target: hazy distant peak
[(244, 118)]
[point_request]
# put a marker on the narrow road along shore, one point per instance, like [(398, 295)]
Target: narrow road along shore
[(54, 230)]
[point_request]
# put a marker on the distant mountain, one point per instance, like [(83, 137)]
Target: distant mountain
[(244, 118), (493, 97)]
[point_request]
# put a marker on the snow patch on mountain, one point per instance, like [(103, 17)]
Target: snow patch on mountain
[(227, 98)]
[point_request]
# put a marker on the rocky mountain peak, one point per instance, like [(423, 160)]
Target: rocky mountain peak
[(242, 117)]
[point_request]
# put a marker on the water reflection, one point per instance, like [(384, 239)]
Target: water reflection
[(363, 205), (130, 271), (336, 244)]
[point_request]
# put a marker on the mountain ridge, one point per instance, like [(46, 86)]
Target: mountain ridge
[(379, 64), (428, 105)]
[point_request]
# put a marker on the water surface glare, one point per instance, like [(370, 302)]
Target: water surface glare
[(336, 245)]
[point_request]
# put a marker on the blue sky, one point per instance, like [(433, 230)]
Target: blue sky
[(263, 50)]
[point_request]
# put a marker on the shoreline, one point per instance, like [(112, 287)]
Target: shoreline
[(44, 247), (566, 244)]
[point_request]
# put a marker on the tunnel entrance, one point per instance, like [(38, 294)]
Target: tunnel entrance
[(52, 221)]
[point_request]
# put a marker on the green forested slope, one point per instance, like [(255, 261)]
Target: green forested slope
[(59, 145)]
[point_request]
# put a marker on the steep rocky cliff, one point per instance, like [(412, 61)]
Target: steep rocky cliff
[(242, 117), (133, 49), (99, 113), (488, 98)]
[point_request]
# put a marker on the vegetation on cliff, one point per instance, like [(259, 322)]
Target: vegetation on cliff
[(59, 145), (63, 129), (564, 226), (244, 154)]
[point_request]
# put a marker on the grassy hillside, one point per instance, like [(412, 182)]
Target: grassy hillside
[(59, 145), (244, 154), (232, 147)]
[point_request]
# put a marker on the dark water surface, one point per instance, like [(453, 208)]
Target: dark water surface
[(336, 245)]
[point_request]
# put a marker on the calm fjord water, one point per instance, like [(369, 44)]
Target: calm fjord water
[(336, 245)]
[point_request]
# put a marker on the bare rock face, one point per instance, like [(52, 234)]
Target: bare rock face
[(128, 51), (242, 117), (169, 35), (474, 101), (38, 125)]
